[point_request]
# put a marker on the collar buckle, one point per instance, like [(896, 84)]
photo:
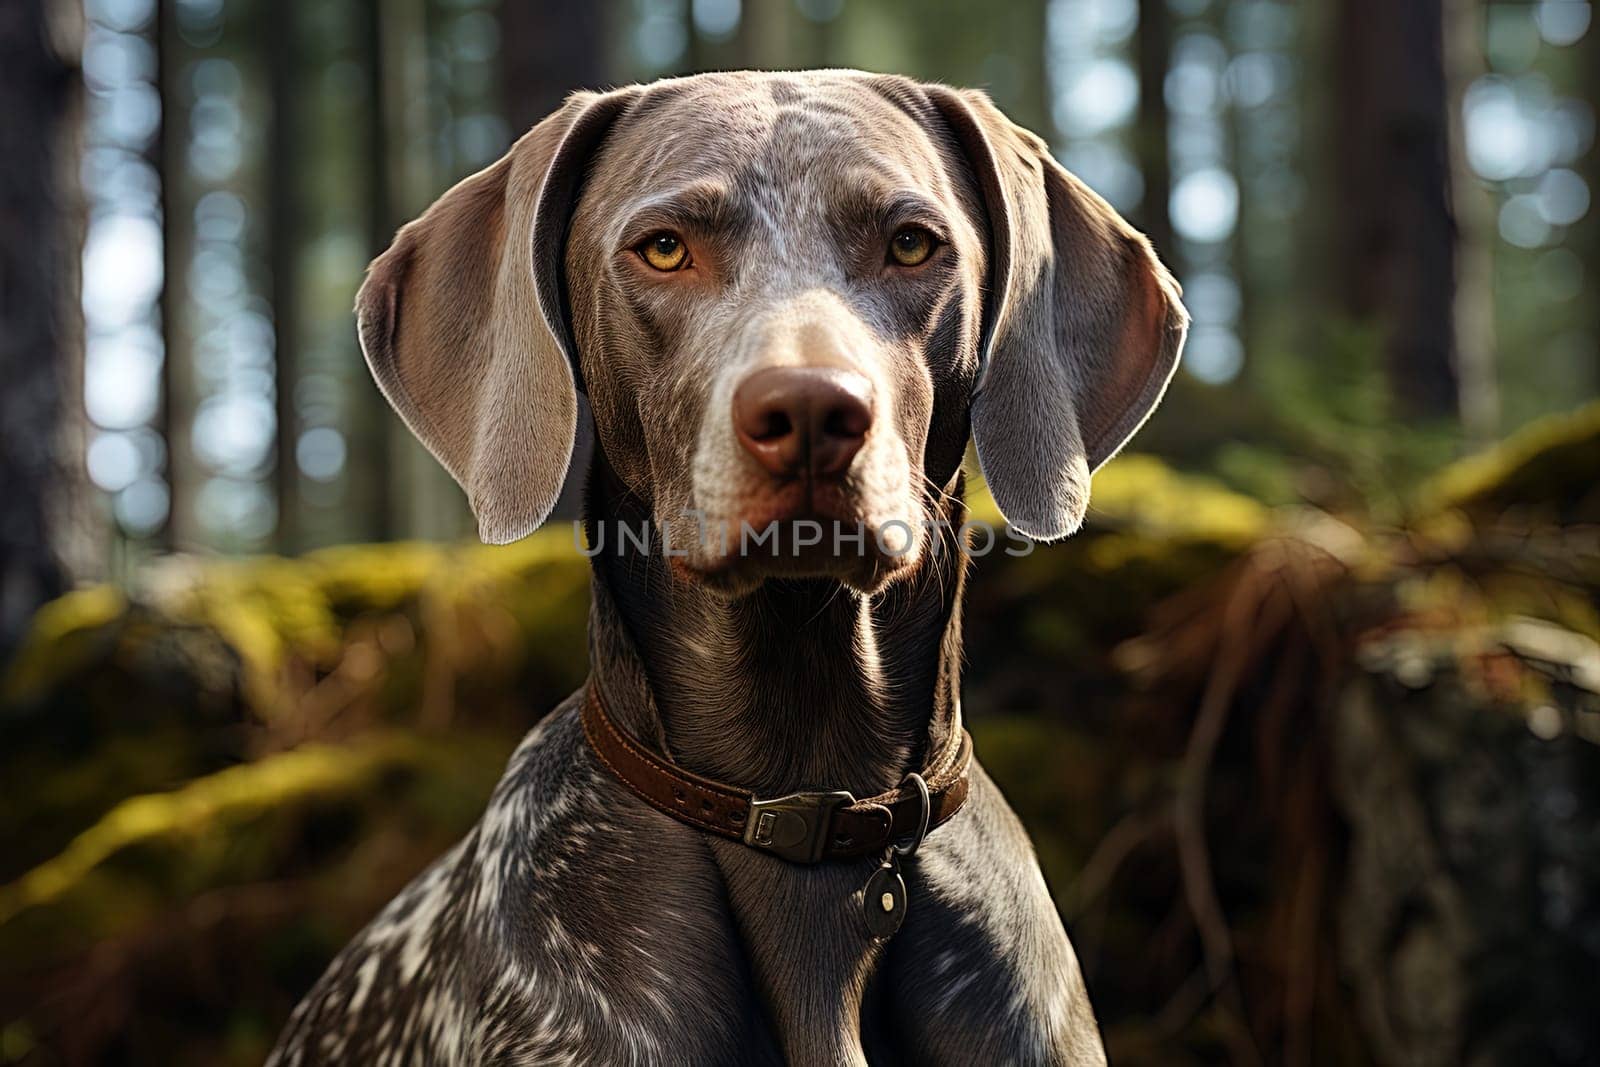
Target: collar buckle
[(794, 827)]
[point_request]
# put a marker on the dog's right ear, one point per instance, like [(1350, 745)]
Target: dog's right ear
[(463, 321)]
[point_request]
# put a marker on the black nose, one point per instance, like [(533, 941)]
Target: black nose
[(797, 420)]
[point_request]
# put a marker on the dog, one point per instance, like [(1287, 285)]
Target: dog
[(790, 299)]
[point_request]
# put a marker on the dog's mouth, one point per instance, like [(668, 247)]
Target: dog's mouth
[(796, 530), (800, 548), (800, 500)]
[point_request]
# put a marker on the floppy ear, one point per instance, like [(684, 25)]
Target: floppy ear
[(1082, 328), (463, 324)]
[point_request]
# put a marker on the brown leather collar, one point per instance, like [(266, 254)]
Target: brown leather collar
[(801, 827)]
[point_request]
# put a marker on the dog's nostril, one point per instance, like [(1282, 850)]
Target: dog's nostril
[(850, 421), (777, 425)]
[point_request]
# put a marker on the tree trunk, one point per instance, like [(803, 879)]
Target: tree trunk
[(177, 385), (547, 50), (36, 87), (1586, 234), (765, 33), (1474, 207), (283, 256), (370, 457), (1154, 46), (1396, 260)]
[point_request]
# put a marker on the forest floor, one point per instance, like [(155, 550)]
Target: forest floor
[(1306, 788)]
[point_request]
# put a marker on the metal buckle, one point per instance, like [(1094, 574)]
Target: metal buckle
[(795, 827)]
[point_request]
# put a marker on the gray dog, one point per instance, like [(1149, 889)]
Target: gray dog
[(789, 298)]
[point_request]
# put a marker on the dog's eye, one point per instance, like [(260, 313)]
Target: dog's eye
[(911, 246), (664, 251)]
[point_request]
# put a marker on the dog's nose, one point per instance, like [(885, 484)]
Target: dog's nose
[(796, 420)]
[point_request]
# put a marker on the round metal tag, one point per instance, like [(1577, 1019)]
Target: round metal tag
[(884, 902)]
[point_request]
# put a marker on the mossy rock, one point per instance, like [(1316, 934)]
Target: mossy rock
[(244, 822), (203, 665), (278, 862), (1549, 471)]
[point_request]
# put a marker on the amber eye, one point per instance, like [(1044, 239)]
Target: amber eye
[(664, 251), (911, 246)]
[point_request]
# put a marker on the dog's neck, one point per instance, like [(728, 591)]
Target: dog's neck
[(800, 684)]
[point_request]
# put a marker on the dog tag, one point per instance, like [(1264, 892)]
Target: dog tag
[(884, 901)]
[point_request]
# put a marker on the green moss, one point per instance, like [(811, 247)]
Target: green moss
[(1142, 491), (304, 806), (60, 639), (232, 793), (79, 610), (1553, 461), (383, 577), (1145, 493)]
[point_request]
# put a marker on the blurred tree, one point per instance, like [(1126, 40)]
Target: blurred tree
[(1395, 264), (283, 253), (370, 429), (766, 35), (1474, 328), (416, 112), (548, 49), (815, 33), (1154, 47), (36, 88), (1586, 234), (177, 389)]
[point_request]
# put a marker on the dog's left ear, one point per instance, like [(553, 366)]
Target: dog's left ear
[(1082, 327)]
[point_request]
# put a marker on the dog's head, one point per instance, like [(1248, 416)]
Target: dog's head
[(788, 297)]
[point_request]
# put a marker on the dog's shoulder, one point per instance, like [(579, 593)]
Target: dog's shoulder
[(401, 989), (552, 931)]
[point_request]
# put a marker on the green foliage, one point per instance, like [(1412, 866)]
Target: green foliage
[(1335, 409)]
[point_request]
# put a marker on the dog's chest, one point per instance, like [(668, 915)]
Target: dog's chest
[(576, 926)]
